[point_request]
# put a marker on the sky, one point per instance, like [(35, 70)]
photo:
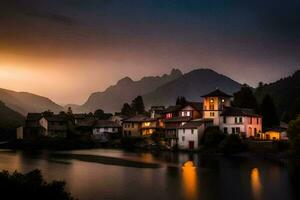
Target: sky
[(67, 49)]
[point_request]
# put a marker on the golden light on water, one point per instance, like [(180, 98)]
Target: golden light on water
[(189, 175), (256, 184)]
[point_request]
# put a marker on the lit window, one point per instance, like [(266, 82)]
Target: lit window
[(169, 115), (188, 113), (182, 113), (147, 124)]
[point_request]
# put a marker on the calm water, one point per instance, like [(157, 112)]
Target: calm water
[(181, 176)]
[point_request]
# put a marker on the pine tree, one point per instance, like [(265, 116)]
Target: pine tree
[(138, 106), (126, 110), (180, 100)]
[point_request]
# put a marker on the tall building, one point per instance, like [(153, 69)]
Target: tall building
[(213, 105)]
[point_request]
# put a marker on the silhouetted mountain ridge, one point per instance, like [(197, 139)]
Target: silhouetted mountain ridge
[(159, 90), (125, 90), (24, 102)]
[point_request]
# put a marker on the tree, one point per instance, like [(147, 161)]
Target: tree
[(101, 115), (294, 134), (293, 111), (138, 106), (212, 137), (232, 144), (245, 98), (70, 112), (31, 186), (268, 112), (181, 100), (126, 110)]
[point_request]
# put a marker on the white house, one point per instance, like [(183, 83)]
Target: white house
[(240, 121), (191, 132), (104, 129)]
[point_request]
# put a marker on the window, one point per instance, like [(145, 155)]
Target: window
[(211, 104), (257, 120), (250, 120), (192, 131), (212, 114), (255, 131), (224, 119), (132, 125), (225, 130), (188, 113), (183, 130), (233, 130), (238, 130), (238, 120), (182, 113), (183, 138), (169, 115)]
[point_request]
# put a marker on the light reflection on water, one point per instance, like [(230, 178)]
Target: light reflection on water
[(256, 184), (189, 177)]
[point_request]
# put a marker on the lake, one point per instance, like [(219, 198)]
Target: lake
[(100, 174)]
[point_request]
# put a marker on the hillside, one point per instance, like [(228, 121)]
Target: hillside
[(125, 90), (24, 102), (286, 95), (9, 121), (191, 85)]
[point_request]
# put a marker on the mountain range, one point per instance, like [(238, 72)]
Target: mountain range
[(159, 90)]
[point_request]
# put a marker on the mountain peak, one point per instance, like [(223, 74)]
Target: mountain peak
[(175, 72), (124, 81)]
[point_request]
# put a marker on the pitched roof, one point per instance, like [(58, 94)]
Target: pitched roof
[(178, 119), (217, 93), (196, 105), (233, 111), (196, 123), (85, 123), (56, 118), (34, 116), (139, 118), (275, 128), (172, 109), (106, 124)]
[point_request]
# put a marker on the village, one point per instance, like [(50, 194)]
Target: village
[(180, 126)]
